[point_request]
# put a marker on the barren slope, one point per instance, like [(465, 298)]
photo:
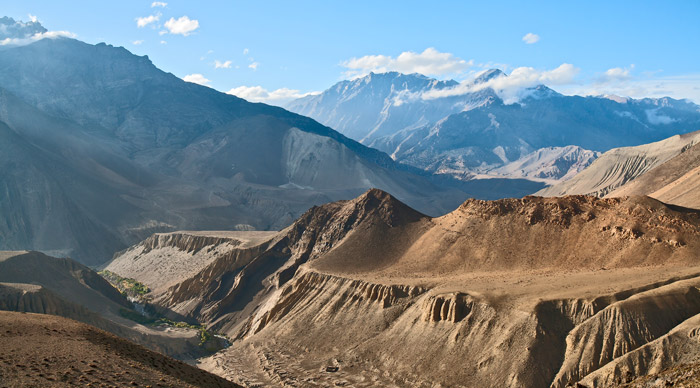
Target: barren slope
[(166, 259), (523, 292), (676, 181), (618, 166), (39, 350)]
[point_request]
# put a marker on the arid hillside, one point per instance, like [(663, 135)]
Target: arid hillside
[(620, 166), (529, 292), (676, 181)]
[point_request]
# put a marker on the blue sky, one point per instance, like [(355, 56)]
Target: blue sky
[(635, 48)]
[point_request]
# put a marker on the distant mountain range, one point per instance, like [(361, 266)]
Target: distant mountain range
[(99, 149), (476, 134)]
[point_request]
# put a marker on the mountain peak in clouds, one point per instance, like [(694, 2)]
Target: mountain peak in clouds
[(15, 29), (362, 108), (488, 75)]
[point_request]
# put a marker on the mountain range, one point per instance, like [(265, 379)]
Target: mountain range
[(100, 145), (265, 248), (468, 131)]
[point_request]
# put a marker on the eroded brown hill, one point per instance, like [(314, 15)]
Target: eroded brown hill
[(519, 292)]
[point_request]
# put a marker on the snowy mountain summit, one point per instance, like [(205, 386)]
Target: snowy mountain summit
[(469, 131)]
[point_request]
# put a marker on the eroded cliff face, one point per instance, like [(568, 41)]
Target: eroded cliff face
[(530, 292)]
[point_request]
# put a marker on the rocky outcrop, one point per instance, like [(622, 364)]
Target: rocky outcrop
[(450, 308)]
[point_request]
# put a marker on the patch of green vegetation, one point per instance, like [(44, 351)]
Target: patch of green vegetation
[(131, 287), (127, 286), (205, 336)]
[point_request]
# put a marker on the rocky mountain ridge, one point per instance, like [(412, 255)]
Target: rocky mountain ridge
[(477, 278), (84, 125)]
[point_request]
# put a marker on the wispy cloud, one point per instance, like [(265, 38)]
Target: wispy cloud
[(531, 38), (254, 66), (33, 18), (680, 87), (245, 51), (146, 20), (510, 87), (429, 62), (35, 37), (137, 42), (275, 97), (222, 65), (181, 26), (197, 79), (158, 4)]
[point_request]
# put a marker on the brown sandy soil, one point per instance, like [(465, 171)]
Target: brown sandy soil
[(39, 350)]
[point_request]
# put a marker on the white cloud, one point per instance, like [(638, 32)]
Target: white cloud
[(35, 37), (511, 87), (163, 42), (245, 51), (197, 79), (222, 65), (32, 18), (158, 4), (275, 97), (429, 62), (655, 118), (182, 26), (531, 38), (616, 74), (146, 20), (254, 65), (137, 42)]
